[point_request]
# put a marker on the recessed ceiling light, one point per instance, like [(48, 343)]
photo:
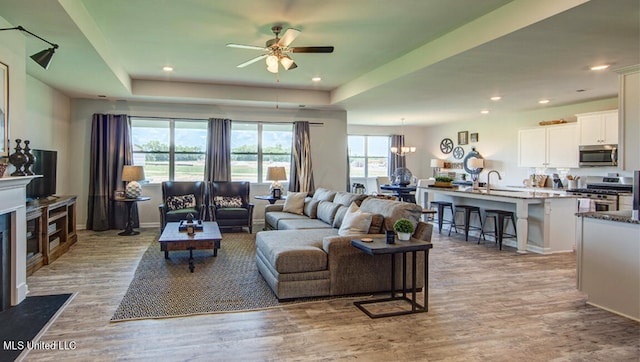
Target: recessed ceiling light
[(484, 111), (600, 67), (496, 98), (167, 68), (316, 79), (543, 101)]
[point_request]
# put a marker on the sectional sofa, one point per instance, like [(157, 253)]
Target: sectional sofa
[(302, 255)]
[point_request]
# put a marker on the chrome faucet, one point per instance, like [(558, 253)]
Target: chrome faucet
[(489, 177)]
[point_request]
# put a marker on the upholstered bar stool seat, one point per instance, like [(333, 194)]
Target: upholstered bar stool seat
[(441, 206), (499, 217), (468, 210)]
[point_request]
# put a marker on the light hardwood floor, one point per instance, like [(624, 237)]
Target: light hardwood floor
[(485, 305)]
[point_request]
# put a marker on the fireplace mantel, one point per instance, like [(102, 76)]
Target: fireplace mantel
[(13, 201)]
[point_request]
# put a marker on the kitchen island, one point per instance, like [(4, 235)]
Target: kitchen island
[(545, 222), (608, 259)]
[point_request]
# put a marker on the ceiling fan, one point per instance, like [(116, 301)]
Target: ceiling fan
[(277, 50)]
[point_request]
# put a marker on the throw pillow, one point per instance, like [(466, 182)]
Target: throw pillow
[(327, 211), (355, 221), (323, 194), (181, 202), (222, 202), (311, 207), (346, 198), (294, 203)]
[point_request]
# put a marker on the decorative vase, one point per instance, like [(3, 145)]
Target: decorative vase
[(404, 236), (18, 159), (31, 159), (133, 190)]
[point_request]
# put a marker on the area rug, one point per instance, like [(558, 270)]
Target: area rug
[(21, 326), (230, 282)]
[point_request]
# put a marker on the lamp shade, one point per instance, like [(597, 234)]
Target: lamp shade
[(476, 163), (132, 173), (43, 58), (276, 173), (437, 163)]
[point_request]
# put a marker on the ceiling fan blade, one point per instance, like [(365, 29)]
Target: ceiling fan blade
[(251, 61), (327, 49), (242, 46), (289, 36)]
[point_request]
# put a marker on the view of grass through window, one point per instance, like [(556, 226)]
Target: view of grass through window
[(256, 146), (176, 149), (368, 156)]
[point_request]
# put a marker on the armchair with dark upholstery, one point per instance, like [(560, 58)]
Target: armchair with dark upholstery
[(230, 206), (181, 198)]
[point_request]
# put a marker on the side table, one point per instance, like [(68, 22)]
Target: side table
[(128, 230), (272, 200), (380, 247)]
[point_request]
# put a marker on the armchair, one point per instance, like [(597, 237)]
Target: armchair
[(181, 198), (230, 206)]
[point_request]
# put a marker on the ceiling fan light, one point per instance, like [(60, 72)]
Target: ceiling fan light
[(287, 62), (273, 68), (272, 60)]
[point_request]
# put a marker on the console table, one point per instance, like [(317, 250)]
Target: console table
[(379, 246), (272, 200)]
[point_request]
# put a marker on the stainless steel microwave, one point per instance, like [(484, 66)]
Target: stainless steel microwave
[(598, 155)]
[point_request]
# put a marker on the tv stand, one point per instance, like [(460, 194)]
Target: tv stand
[(51, 229)]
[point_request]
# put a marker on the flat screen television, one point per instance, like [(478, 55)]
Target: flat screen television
[(46, 165)]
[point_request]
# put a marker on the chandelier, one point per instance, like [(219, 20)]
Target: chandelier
[(402, 150)]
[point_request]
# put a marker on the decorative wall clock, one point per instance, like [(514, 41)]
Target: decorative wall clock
[(458, 153), (446, 145)]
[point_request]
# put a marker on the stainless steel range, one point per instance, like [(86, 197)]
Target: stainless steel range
[(605, 191)]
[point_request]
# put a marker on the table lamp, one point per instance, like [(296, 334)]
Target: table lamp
[(437, 164), (133, 174), (276, 174), (475, 165)]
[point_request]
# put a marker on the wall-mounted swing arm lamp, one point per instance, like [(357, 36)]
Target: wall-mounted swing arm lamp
[(43, 58)]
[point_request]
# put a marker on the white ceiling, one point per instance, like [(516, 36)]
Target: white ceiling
[(427, 61)]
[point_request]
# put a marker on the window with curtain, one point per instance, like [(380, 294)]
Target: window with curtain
[(256, 146), (169, 149), (368, 156)]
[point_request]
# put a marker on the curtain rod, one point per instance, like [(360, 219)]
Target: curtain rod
[(206, 119)]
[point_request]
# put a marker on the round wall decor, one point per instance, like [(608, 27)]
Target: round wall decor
[(446, 145), (458, 152)]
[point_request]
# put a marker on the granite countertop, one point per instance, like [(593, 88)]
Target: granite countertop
[(516, 194), (617, 216)]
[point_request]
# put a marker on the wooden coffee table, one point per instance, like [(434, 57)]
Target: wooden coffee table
[(174, 239)]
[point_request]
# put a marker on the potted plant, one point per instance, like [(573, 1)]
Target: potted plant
[(404, 228), (443, 181)]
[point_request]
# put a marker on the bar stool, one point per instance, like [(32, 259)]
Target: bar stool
[(427, 214), (468, 210), (441, 207), (499, 217)]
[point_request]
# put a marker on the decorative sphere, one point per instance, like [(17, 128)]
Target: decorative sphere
[(402, 176)]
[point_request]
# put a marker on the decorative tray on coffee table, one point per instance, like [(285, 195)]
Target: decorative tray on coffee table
[(197, 225)]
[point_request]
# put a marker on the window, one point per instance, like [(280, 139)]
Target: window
[(256, 146), (368, 156), (169, 149)]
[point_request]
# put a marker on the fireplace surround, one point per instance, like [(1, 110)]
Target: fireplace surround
[(13, 204)]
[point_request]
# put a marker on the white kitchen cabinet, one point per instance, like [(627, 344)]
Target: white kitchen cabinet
[(598, 128), (630, 118), (550, 146)]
